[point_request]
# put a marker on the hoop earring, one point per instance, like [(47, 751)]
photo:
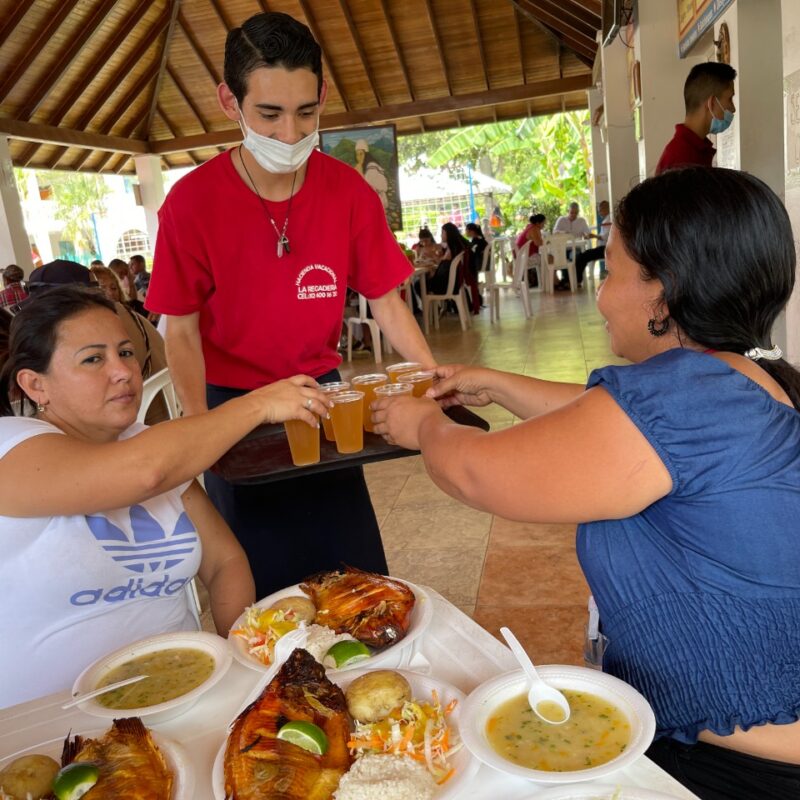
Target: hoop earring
[(658, 328), (40, 409)]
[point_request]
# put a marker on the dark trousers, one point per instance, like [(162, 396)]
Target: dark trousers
[(716, 773), (292, 528), (586, 257)]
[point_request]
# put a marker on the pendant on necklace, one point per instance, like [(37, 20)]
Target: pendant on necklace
[(283, 244)]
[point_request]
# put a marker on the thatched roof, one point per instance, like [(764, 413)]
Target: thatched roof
[(85, 84)]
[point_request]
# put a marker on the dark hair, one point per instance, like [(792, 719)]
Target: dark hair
[(455, 241), (118, 262), (721, 243), (269, 40), (704, 80), (13, 274), (473, 227), (535, 219), (424, 233), (138, 257), (34, 334)]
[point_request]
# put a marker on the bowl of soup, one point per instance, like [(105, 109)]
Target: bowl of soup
[(610, 726), (179, 668)]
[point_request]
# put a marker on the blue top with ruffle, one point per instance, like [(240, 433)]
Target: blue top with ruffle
[(699, 594)]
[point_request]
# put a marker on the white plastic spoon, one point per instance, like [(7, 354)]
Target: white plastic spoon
[(103, 690), (541, 696)]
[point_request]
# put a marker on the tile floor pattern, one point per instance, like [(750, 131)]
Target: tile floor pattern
[(522, 575)]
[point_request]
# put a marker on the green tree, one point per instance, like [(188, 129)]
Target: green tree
[(546, 159)]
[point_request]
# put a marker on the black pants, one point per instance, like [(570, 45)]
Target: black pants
[(716, 773), (586, 257), (292, 528)]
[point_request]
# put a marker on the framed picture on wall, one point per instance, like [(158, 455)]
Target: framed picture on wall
[(372, 152)]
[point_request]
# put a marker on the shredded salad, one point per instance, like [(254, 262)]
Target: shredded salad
[(415, 729), (262, 627)]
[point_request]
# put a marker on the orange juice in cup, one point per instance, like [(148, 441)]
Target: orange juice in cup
[(395, 370), (420, 381), (331, 388), (393, 390), (347, 416), (303, 442), (368, 384)]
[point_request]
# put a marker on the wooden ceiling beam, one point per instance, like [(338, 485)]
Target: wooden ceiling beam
[(362, 54), (133, 60), (162, 64), (198, 51), (399, 53), (56, 73), (520, 48), (13, 19), (173, 130), (133, 130), (327, 65), (51, 134), (419, 108), (187, 98), (479, 39), (439, 45), (579, 10), (100, 60), (577, 27), (582, 45), (42, 37), (227, 23)]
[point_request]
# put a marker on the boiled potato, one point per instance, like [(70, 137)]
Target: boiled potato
[(371, 697), (303, 608), (29, 775)]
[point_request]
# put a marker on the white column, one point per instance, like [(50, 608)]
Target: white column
[(621, 150), (14, 245), (38, 218), (151, 183), (663, 74), (599, 160)]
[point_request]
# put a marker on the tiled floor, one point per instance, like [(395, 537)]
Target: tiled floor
[(525, 576), (467, 555)]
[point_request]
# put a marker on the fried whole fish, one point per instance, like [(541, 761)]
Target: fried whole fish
[(129, 762), (259, 766), (372, 608)]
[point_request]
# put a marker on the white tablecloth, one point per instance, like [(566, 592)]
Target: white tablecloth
[(455, 649)]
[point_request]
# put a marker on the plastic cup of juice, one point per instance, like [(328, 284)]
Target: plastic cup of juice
[(303, 442), (331, 388), (420, 381), (368, 384), (395, 370), (347, 416)]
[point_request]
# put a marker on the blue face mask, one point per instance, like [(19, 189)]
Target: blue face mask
[(720, 125)]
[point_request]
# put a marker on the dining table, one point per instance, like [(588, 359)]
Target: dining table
[(453, 648)]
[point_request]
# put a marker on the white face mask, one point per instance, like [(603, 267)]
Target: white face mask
[(275, 156)]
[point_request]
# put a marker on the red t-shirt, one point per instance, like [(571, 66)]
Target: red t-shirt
[(685, 149), (263, 318)]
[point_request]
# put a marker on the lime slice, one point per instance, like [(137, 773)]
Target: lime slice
[(306, 735), (348, 652), (75, 780)]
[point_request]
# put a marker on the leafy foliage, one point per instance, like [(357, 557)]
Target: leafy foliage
[(546, 159)]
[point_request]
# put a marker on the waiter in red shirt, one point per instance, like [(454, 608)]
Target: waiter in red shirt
[(708, 96), (256, 249)]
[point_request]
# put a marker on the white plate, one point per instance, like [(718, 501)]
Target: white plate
[(176, 757), (483, 701), (390, 656), (209, 643), (601, 793), (421, 687)]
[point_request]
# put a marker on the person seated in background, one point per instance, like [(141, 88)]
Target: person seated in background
[(572, 224), (97, 262), (477, 246), (682, 470), (13, 291), (125, 277), (454, 244), (585, 257), (532, 234), (141, 277), (427, 252), (86, 491)]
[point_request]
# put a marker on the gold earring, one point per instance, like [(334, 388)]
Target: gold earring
[(40, 409)]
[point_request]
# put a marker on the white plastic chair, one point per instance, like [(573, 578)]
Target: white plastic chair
[(554, 257), (503, 255), (160, 382), (518, 282), (459, 297), (489, 283), (364, 319)]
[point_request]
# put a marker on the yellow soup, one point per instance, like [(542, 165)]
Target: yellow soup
[(596, 732), (171, 673)]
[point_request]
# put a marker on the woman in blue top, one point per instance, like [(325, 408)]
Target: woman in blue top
[(683, 470)]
